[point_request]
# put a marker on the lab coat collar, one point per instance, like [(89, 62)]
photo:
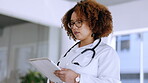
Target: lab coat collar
[(89, 46)]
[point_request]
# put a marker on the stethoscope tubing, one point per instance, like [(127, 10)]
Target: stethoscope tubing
[(93, 49)]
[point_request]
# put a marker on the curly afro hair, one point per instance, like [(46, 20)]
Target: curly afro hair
[(98, 17)]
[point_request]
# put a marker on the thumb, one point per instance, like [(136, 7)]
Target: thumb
[(64, 69)]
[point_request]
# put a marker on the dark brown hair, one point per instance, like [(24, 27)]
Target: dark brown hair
[(98, 18)]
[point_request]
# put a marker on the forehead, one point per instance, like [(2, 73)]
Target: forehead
[(77, 16), (74, 16)]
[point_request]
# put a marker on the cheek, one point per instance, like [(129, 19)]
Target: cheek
[(87, 32)]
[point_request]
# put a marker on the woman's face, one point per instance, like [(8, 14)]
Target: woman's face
[(79, 28)]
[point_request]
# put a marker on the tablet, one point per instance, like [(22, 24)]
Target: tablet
[(47, 67)]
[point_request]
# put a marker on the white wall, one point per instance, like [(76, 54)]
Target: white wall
[(132, 15), (54, 43), (47, 12), (66, 43)]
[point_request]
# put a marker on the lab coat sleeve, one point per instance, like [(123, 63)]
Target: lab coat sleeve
[(108, 69)]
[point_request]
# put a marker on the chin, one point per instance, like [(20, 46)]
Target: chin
[(79, 39)]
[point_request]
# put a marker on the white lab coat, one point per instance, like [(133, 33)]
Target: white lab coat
[(104, 68)]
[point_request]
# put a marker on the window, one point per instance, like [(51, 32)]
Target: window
[(128, 48), (145, 56), (123, 43), (18, 44), (132, 50)]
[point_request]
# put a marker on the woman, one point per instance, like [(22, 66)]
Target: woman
[(90, 60)]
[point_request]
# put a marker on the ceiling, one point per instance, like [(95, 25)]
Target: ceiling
[(108, 2), (113, 2), (8, 21)]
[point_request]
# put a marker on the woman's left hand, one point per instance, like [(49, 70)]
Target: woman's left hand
[(66, 75)]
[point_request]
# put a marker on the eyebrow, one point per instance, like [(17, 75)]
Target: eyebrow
[(75, 20)]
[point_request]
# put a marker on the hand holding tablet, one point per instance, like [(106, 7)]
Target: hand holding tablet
[(46, 67)]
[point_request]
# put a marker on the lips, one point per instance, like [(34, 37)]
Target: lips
[(76, 33)]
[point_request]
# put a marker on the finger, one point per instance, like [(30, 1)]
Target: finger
[(57, 71), (60, 73), (64, 69), (62, 77), (56, 74)]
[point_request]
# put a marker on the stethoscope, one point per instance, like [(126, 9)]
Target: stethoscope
[(91, 49)]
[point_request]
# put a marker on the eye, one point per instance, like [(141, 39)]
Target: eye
[(79, 22), (72, 23)]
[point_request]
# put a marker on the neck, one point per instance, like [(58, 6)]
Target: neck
[(86, 42)]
